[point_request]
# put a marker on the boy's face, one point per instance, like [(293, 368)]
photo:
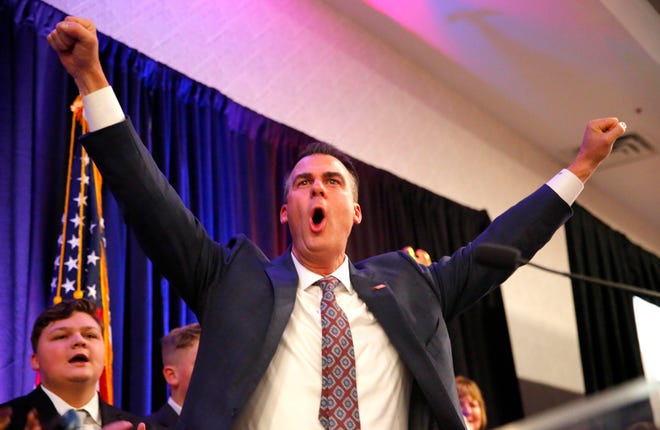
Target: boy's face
[(70, 351)]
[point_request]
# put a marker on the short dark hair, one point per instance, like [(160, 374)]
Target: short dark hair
[(61, 311), (179, 338), (326, 149)]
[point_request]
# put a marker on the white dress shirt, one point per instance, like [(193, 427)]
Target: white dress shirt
[(92, 408), (289, 394)]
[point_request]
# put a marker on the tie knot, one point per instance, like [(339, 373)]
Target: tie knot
[(84, 416), (328, 283)]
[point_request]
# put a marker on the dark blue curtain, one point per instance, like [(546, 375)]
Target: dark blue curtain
[(606, 324), (228, 164), (32, 151)]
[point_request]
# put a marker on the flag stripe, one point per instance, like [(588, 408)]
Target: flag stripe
[(58, 294), (78, 294), (82, 247)]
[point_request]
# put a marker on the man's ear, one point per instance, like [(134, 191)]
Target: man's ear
[(34, 361), (170, 374), (357, 213), (283, 214)]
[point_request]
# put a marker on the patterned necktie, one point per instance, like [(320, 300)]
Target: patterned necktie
[(339, 397)]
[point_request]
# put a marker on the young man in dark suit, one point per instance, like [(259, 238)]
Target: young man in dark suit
[(179, 350), (69, 353), (262, 358)]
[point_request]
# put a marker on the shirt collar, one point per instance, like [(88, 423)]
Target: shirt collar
[(174, 405), (61, 406), (306, 277)]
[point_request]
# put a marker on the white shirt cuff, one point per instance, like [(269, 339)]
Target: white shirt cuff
[(566, 185), (102, 109)]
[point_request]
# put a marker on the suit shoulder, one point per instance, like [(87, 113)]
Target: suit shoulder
[(110, 414), (395, 260), (164, 418), (241, 243), (21, 401)]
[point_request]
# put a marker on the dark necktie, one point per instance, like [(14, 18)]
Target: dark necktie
[(339, 397)]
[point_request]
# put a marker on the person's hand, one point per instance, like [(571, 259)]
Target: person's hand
[(5, 417), (599, 136), (123, 425), (420, 256), (31, 423), (76, 43)]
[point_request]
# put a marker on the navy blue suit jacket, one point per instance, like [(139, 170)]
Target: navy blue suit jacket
[(164, 418), (243, 300), (47, 414)]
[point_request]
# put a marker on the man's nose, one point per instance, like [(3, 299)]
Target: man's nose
[(79, 339), (318, 188)]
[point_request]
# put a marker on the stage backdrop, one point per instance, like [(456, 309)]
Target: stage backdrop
[(228, 163), (606, 324)]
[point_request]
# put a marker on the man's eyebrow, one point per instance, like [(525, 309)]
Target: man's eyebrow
[(333, 174), (68, 328), (326, 175), (302, 176)]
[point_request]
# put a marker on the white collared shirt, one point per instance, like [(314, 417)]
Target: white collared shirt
[(289, 394), (174, 405), (92, 407)]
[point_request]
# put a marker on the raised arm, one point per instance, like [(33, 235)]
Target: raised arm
[(599, 136), (168, 232), (76, 43)]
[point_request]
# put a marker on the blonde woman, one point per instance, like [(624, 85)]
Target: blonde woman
[(472, 403)]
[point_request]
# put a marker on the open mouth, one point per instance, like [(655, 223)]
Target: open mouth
[(317, 220), (79, 358), (318, 216)]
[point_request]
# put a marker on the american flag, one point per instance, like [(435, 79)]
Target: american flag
[(80, 269)]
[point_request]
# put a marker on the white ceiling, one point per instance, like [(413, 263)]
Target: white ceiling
[(544, 67)]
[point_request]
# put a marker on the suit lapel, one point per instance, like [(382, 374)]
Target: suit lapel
[(111, 414), (284, 280), (108, 414), (170, 416), (45, 408), (381, 301)]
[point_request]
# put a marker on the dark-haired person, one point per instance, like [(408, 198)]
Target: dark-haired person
[(179, 350), (263, 354), (69, 353)]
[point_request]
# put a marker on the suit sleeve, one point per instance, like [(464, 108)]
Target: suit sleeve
[(527, 226), (171, 236)]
